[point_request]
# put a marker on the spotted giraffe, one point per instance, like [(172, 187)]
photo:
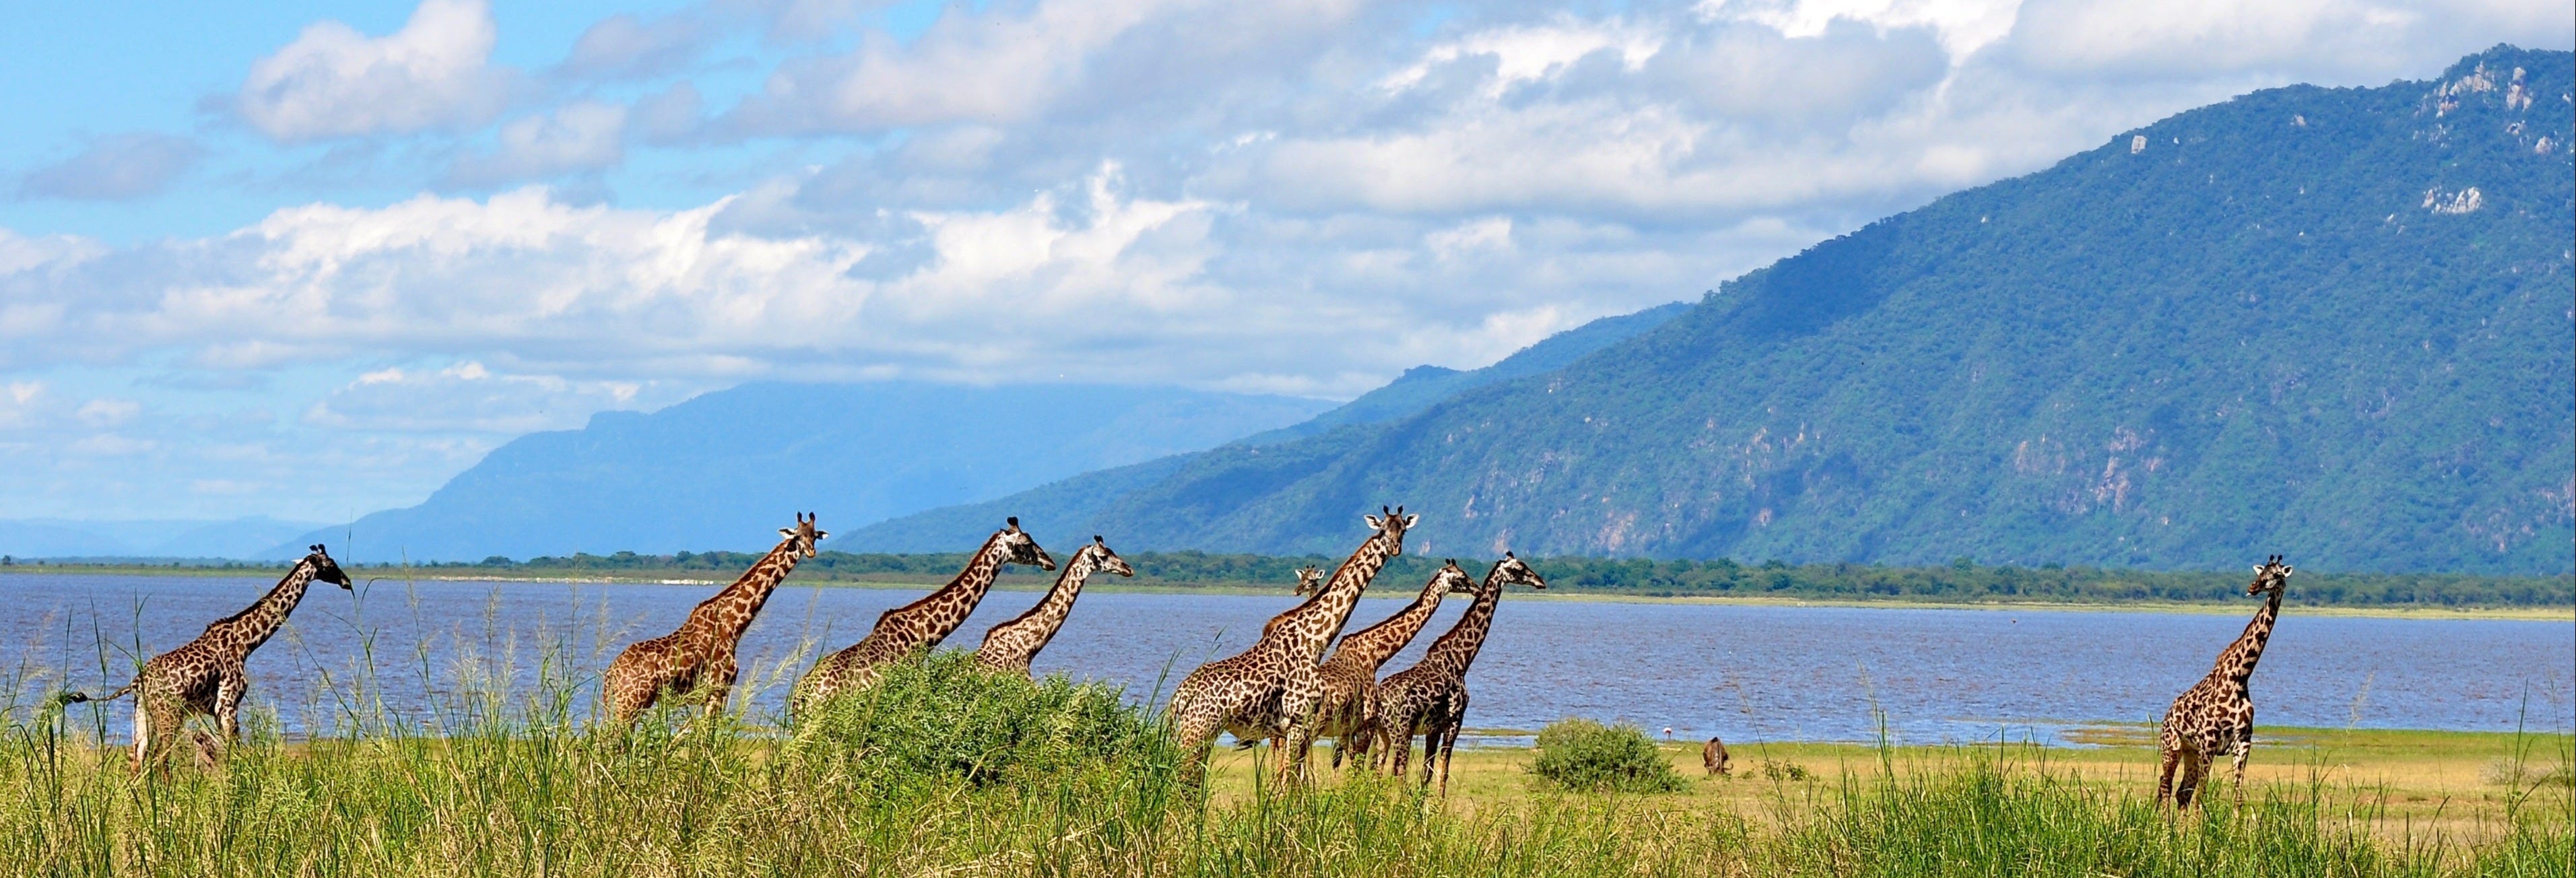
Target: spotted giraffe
[(1430, 698), (207, 676), (1010, 646), (1350, 675), (919, 626), (2216, 715), (1309, 578), (1271, 690), (697, 661)]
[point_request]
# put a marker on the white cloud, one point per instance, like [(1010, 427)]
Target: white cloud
[(581, 136), (120, 168), (333, 81), (2338, 39), (466, 397), (105, 413)]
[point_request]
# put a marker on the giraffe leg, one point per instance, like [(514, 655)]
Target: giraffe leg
[(2244, 748), (1292, 759), (716, 684), (142, 732), (2195, 768), (2165, 776), (228, 695), (1448, 741)]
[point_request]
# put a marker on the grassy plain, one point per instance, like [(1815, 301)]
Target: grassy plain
[(941, 772)]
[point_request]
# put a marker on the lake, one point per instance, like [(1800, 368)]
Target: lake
[(1749, 673)]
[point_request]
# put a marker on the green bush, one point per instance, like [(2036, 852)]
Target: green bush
[(942, 719), (1586, 756)]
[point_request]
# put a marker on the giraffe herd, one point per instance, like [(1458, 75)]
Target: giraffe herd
[(1283, 689)]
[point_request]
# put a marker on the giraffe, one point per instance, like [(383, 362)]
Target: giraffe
[(1350, 675), (2216, 715), (697, 661), (206, 676), (1270, 691), (1430, 698), (1010, 646), (922, 624)]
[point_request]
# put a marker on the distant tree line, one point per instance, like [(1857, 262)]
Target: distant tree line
[(1962, 580)]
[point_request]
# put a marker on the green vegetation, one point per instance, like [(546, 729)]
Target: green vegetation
[(1961, 581), (1588, 757), (951, 774), (2269, 325)]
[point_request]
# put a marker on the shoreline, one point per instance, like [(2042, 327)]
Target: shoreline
[(1036, 584)]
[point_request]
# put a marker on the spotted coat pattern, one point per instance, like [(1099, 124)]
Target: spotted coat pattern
[(1430, 698), (2216, 715), (1271, 690), (697, 661), (1350, 675), (207, 676), (919, 626), (1010, 647)]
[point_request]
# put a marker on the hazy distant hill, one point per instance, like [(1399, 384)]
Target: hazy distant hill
[(1070, 505), (726, 470), (2335, 323)]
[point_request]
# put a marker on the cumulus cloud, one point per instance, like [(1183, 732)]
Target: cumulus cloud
[(123, 167), (333, 81), (2320, 38)]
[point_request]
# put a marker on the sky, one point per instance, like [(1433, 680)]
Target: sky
[(309, 260)]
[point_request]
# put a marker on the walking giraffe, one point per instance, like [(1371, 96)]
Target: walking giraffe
[(697, 661), (1010, 646), (1430, 698), (922, 624), (1270, 691), (207, 676), (2216, 715), (1350, 675)]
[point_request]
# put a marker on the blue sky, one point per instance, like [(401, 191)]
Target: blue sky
[(309, 260)]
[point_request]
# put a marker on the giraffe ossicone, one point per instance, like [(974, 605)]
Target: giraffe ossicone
[(206, 676)]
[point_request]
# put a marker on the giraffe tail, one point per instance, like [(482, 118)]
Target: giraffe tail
[(69, 697)]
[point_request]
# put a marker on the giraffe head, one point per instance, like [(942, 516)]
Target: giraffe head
[(1309, 578), (1100, 558), (1458, 580), (1513, 571), (802, 538), (1017, 548), (2271, 575), (326, 569), (1391, 524)]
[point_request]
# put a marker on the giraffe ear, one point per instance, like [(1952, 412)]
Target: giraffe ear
[(1410, 519), (2286, 570), (1373, 522), (787, 532)]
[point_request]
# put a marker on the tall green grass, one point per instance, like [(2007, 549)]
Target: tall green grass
[(940, 771)]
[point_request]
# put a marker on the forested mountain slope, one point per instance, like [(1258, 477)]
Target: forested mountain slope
[(2335, 323)]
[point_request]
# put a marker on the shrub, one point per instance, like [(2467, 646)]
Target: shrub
[(1773, 769), (1586, 756), (941, 718)]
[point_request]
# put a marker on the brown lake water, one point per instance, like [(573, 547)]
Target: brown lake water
[(1745, 672)]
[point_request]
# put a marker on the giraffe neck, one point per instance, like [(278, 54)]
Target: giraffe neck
[(252, 626), (926, 622), (1456, 650), (1373, 645), (1048, 615), (2237, 663), (724, 616), (1306, 630)]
